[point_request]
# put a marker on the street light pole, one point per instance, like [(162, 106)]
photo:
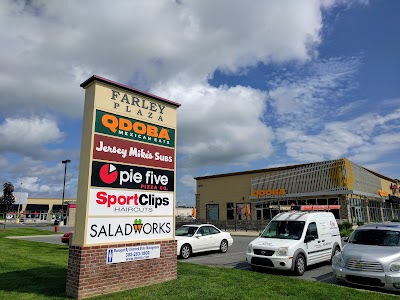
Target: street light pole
[(65, 162), (19, 203)]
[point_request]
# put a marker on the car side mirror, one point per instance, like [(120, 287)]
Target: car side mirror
[(309, 238), (197, 235)]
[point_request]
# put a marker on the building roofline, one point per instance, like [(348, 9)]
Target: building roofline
[(279, 169), (126, 87), (250, 172)]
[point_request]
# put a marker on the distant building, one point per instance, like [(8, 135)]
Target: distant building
[(353, 193), (43, 210)]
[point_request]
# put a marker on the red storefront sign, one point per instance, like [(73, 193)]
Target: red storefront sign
[(128, 152), (319, 207)]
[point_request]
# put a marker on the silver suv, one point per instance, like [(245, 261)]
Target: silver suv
[(371, 257)]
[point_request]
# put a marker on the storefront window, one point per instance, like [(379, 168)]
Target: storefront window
[(212, 212), (357, 210), (312, 201), (230, 211), (374, 211)]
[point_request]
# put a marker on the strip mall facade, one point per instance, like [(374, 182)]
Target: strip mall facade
[(352, 192)]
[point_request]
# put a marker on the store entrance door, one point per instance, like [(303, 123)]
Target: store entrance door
[(43, 217)]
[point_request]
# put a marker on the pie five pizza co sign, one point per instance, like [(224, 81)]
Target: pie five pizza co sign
[(128, 147)]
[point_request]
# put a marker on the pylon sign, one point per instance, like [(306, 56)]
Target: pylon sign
[(126, 189), (124, 222)]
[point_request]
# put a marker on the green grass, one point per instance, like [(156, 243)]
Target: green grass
[(32, 270)]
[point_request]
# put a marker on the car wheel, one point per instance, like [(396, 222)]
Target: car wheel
[(299, 265), (336, 251), (224, 246), (186, 250)]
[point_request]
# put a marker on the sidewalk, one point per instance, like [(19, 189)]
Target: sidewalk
[(244, 233)]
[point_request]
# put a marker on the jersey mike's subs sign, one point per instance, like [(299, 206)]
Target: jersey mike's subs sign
[(129, 152)]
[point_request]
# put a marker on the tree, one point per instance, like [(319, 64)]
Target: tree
[(8, 199)]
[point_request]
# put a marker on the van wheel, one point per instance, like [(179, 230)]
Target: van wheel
[(299, 265), (336, 251), (224, 246), (186, 250)]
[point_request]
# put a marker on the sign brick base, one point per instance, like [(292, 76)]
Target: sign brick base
[(89, 275)]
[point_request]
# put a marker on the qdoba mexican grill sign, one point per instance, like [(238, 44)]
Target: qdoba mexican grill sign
[(126, 190)]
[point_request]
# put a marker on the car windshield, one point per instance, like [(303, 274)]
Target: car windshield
[(186, 231), (376, 237), (284, 230)]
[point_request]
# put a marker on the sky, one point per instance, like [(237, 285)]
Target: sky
[(261, 83)]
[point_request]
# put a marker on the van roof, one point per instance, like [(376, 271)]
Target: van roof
[(299, 215)]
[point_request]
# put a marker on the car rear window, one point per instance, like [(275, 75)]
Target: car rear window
[(376, 237)]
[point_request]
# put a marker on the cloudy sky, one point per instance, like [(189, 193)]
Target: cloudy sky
[(261, 83)]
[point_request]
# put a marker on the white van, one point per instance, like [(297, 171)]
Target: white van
[(294, 240)]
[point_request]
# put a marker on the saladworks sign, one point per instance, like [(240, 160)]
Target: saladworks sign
[(128, 229)]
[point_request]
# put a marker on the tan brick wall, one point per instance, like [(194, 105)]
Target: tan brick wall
[(89, 274)]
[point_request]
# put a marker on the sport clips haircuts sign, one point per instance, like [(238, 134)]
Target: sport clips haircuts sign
[(119, 203)]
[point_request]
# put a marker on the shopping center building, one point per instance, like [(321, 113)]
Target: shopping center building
[(351, 192), (42, 210)]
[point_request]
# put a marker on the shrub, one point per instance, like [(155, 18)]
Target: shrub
[(395, 220), (345, 232), (360, 223), (345, 226)]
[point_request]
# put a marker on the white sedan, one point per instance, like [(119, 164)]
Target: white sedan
[(200, 238)]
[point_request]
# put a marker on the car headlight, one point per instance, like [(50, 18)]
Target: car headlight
[(395, 266), (282, 251), (337, 259), (249, 248)]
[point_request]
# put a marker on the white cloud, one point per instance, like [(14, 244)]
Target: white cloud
[(17, 133), (219, 125), (303, 97), (363, 139), (188, 180), (54, 45)]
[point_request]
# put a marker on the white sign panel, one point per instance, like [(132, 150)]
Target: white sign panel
[(111, 202), (128, 229), (124, 254)]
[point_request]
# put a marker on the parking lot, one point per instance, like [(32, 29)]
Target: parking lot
[(235, 259)]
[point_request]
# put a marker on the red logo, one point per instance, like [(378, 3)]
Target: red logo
[(108, 173)]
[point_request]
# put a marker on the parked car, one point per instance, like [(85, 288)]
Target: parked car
[(371, 257), (201, 238), (294, 240), (65, 237)]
